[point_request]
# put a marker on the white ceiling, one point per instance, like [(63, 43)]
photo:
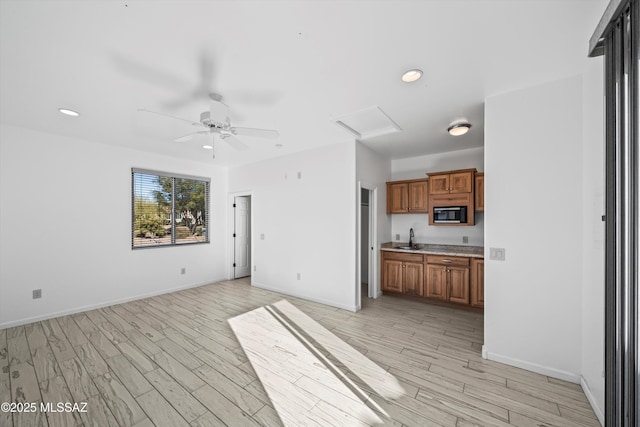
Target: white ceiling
[(285, 65)]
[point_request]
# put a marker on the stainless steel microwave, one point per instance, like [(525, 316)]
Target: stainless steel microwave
[(450, 215)]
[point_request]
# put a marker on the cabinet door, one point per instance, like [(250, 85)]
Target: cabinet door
[(477, 282), (461, 182), (418, 197), (413, 278), (459, 285), (479, 193), (392, 279), (436, 282), (398, 198), (439, 184)]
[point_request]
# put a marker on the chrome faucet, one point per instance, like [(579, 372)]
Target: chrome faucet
[(411, 237)]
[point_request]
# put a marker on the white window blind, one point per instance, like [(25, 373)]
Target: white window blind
[(168, 209)]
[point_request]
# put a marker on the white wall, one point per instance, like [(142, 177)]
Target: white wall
[(308, 224), (533, 185), (65, 227), (593, 232), (417, 167), (373, 171)]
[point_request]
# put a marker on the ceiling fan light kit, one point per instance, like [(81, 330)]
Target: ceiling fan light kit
[(458, 129)]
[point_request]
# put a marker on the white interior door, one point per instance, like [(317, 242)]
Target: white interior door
[(242, 237)]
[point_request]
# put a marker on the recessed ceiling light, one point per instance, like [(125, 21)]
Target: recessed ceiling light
[(69, 112), (411, 75), (208, 147), (459, 129), (278, 145)]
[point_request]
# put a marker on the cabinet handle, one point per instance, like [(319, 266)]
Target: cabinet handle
[(447, 261)]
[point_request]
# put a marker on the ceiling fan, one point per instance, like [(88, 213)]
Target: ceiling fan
[(216, 121)]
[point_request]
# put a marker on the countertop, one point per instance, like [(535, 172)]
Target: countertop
[(436, 249)]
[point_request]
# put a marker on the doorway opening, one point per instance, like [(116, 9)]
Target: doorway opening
[(367, 281), (241, 237)]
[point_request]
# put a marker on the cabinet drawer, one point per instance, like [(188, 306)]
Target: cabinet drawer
[(448, 260), (399, 256)]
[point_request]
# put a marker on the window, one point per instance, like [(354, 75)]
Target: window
[(168, 209)]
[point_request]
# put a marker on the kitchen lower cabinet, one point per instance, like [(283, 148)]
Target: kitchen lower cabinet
[(413, 278), (392, 277), (477, 282), (447, 283), (459, 285), (447, 278), (436, 282), (450, 280), (403, 273)]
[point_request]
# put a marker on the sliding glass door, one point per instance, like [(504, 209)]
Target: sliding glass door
[(617, 38)]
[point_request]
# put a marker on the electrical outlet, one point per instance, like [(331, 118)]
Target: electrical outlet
[(262, 236), (397, 237), (37, 293), (298, 276), (299, 175), (497, 254), (465, 239), (254, 268), (183, 270)]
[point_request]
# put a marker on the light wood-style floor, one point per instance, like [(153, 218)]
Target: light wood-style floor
[(174, 360)]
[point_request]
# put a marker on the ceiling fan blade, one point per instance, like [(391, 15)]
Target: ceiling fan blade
[(235, 142), (190, 136), (170, 116), (261, 133)]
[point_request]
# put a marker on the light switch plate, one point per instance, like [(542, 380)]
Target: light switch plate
[(497, 254), (397, 237)]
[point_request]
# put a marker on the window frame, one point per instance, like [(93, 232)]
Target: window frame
[(173, 176)]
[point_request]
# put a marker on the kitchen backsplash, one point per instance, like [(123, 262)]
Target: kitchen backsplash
[(424, 233)]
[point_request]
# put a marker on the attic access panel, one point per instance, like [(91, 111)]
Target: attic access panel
[(368, 123)]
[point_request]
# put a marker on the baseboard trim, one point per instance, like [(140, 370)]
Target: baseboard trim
[(592, 400), (47, 316), (534, 367), (352, 308)]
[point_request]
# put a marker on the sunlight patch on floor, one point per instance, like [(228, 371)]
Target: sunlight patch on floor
[(310, 375)]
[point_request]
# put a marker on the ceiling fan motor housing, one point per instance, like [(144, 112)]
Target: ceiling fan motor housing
[(205, 119)]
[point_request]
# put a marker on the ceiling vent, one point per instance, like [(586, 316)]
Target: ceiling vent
[(368, 123)]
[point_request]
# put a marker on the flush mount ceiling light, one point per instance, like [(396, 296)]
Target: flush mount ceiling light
[(459, 129), (68, 112), (411, 75), (208, 147)]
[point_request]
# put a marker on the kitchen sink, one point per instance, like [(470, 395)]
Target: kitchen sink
[(408, 247)]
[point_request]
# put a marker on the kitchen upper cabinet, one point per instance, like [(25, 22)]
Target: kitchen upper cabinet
[(403, 273), (460, 181), (477, 282), (479, 192), (407, 196)]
